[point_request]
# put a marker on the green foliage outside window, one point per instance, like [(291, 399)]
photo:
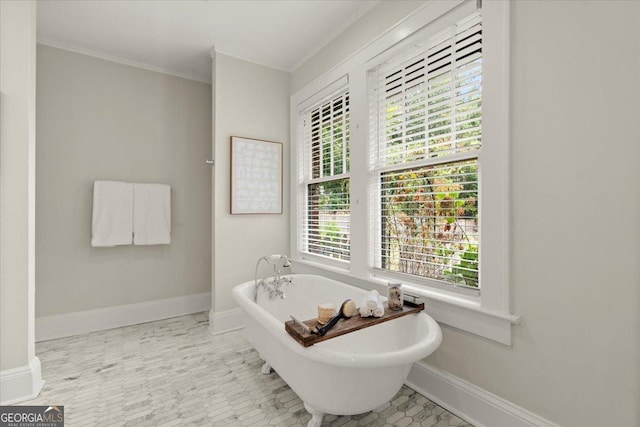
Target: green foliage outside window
[(429, 222)]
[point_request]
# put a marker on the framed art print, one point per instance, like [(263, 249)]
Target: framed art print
[(256, 176)]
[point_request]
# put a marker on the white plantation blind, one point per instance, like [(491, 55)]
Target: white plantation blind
[(428, 218), (326, 137), (328, 219), (426, 123), (429, 100), (325, 203)]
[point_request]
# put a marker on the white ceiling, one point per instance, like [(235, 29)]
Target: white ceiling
[(177, 36)]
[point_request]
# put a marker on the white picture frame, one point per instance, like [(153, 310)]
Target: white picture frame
[(256, 176)]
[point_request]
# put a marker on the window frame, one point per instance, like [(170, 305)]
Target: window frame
[(305, 177), (488, 314), (413, 51)]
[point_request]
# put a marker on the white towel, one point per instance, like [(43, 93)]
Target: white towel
[(372, 299), (112, 222), (379, 310), (151, 214), (365, 311)]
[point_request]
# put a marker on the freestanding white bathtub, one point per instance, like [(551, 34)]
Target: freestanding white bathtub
[(347, 375)]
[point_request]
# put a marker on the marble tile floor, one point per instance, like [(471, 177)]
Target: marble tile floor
[(174, 372)]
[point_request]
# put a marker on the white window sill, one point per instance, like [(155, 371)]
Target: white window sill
[(450, 309)]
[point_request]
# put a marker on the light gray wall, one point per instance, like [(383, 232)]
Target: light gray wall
[(17, 183), (575, 203), (250, 101), (575, 210), (98, 119), (374, 22)]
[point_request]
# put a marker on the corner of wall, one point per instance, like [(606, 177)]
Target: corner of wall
[(21, 377), (225, 321), (21, 384)]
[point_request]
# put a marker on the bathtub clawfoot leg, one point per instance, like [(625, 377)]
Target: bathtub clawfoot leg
[(316, 416), (266, 369)]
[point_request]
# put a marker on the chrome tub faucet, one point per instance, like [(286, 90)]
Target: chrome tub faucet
[(273, 285)]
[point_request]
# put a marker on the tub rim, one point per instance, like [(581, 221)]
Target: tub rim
[(243, 295)]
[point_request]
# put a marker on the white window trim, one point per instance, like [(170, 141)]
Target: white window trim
[(300, 181), (488, 315)]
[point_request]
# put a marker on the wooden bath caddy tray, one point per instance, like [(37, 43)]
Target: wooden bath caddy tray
[(344, 326)]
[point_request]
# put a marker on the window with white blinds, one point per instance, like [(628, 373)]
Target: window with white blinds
[(325, 169), (426, 165), (426, 134)]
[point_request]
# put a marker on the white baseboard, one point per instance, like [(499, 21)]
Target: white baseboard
[(470, 402), (21, 384), (82, 322), (225, 321)]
